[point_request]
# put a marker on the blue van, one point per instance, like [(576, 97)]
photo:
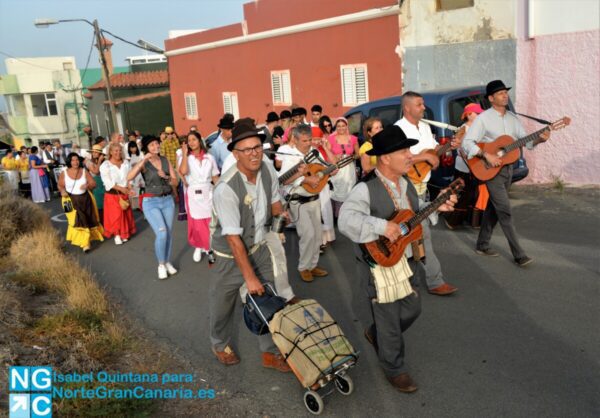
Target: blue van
[(441, 106)]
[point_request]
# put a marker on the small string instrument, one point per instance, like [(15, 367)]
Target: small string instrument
[(386, 253), (323, 172), (507, 149)]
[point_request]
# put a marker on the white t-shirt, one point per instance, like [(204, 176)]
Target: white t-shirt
[(423, 134)]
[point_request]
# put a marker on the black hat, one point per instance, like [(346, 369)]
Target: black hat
[(316, 108), (298, 111), (390, 139), (494, 86), (272, 117), (243, 129), (285, 114), (147, 140), (226, 122)]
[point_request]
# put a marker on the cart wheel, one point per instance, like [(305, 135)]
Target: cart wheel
[(313, 402), (344, 385)]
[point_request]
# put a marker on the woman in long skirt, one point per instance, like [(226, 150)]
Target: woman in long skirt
[(75, 184), (93, 165), (118, 219), (40, 185), (199, 169), (134, 156)]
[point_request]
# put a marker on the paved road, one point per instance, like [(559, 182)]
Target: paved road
[(511, 342)]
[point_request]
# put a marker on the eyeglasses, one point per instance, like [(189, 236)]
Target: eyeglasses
[(327, 125), (249, 151)]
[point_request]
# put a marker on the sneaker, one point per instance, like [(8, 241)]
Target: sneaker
[(523, 261), (443, 290), (170, 269), (125, 239), (488, 251), (162, 272), (197, 255), (118, 240), (211, 257)]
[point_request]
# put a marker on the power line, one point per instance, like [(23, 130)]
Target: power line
[(127, 42), (25, 62)]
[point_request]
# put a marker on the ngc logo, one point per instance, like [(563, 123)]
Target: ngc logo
[(33, 386)]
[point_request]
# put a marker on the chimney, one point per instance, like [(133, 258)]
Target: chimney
[(106, 46)]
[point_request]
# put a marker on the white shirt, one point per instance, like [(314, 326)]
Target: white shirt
[(287, 162), (73, 186), (113, 175), (201, 171), (423, 134)]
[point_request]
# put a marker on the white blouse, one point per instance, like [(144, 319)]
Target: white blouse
[(113, 175), (201, 171)]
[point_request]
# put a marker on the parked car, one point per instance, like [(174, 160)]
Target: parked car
[(441, 106)]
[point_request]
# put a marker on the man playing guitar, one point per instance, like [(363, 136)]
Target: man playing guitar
[(492, 123), (413, 109)]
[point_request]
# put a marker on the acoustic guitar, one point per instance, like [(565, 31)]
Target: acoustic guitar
[(386, 253), (507, 149), (419, 171), (290, 173), (323, 172)]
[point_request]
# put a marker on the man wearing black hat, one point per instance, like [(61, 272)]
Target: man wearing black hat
[(393, 301), (246, 198), (271, 122), (488, 126), (219, 148)]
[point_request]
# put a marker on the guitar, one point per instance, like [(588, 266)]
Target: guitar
[(290, 173), (386, 253), (419, 171), (323, 172), (507, 149)]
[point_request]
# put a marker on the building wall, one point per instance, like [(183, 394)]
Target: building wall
[(457, 48), (449, 66), (149, 116), (48, 75), (557, 75), (313, 58), (549, 17)]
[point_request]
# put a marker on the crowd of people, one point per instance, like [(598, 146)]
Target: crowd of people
[(235, 188)]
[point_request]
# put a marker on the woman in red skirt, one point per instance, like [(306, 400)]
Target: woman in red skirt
[(118, 217), (200, 171)]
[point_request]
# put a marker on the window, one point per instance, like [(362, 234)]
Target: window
[(281, 88), (44, 104), (388, 114), (355, 122), (355, 86), (191, 109), (230, 104), (16, 105), (442, 5)]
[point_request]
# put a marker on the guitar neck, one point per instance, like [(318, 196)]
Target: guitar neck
[(421, 215), (523, 141), (443, 149), (290, 173)]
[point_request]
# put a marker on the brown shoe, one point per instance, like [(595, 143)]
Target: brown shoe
[(275, 361), (443, 290), (306, 276), (319, 272), (403, 383), (294, 300), (227, 356)]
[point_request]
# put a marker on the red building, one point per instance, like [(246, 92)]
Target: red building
[(336, 53)]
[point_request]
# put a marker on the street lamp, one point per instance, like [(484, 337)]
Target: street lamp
[(44, 23), (150, 47)]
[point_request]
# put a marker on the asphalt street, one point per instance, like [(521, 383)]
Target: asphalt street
[(513, 341)]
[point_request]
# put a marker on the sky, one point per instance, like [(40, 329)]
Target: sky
[(150, 20)]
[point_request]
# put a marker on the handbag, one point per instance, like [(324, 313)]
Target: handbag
[(124, 203), (41, 172), (259, 310), (67, 205)]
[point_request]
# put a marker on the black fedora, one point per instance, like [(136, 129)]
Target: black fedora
[(245, 128), (272, 117), (285, 114), (226, 122), (390, 139), (495, 86)]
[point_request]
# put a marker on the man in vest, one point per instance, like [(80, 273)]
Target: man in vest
[(364, 218), (245, 200), (305, 208)]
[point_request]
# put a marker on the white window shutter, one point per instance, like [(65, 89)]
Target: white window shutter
[(230, 104), (281, 88), (191, 108), (355, 85)]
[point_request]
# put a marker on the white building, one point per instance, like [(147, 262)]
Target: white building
[(44, 100)]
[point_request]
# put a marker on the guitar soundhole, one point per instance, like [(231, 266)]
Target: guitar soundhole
[(383, 247)]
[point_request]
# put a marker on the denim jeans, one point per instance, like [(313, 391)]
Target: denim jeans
[(159, 212)]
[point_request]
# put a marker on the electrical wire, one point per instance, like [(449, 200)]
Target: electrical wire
[(128, 42)]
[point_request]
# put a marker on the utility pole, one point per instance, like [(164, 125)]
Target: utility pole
[(106, 75)]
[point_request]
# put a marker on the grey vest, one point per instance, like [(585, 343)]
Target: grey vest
[(382, 205), (154, 183), (234, 179)]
